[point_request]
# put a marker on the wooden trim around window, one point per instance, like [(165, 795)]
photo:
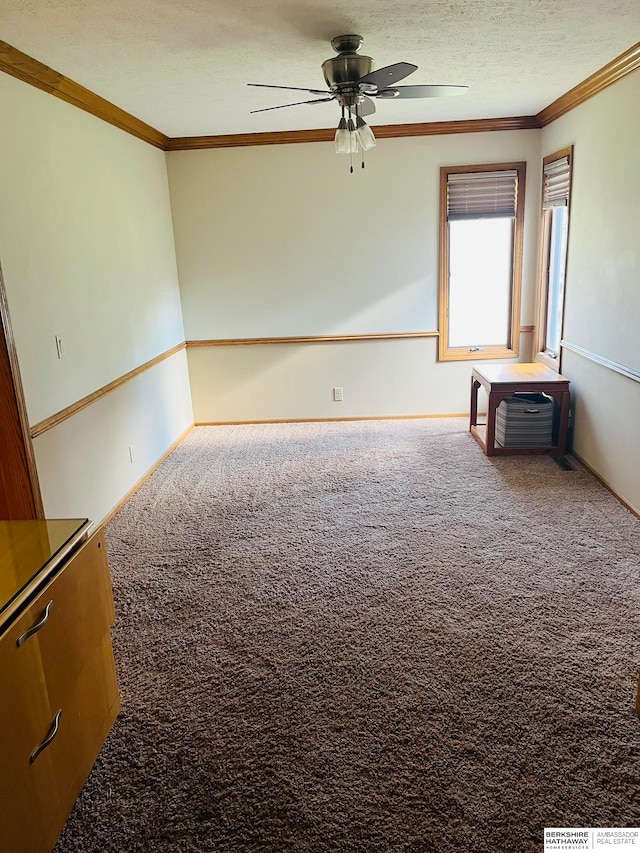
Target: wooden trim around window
[(512, 350), (548, 360), (79, 405), (542, 285), (615, 70), (541, 293), (29, 70)]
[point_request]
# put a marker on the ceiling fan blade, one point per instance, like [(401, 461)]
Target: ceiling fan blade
[(367, 107), (294, 88), (296, 104), (420, 92), (389, 75)]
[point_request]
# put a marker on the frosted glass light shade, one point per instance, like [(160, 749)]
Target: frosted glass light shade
[(365, 135), (342, 137)]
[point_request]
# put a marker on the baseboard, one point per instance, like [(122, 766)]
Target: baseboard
[(116, 509), (332, 420), (632, 509)]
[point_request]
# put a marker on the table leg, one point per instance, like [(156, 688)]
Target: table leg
[(473, 417), (563, 426), (493, 401)]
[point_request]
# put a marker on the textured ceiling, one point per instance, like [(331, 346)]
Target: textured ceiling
[(182, 65)]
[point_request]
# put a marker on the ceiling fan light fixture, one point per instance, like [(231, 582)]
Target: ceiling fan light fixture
[(353, 136), (365, 135), (355, 86), (342, 138)]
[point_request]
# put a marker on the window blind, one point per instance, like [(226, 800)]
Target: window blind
[(481, 195), (555, 185)]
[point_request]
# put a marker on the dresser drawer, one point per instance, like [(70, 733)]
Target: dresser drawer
[(49, 750), (29, 801), (88, 710), (80, 613), (58, 700)]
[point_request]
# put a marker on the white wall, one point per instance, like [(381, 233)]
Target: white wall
[(285, 381), (602, 311), (282, 240), (607, 424), (84, 463), (86, 247)]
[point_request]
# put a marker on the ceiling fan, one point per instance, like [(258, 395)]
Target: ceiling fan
[(354, 84)]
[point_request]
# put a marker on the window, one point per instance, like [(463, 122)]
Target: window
[(554, 238), (481, 228)]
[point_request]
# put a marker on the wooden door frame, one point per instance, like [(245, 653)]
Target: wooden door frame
[(18, 471)]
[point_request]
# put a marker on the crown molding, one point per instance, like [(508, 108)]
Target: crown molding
[(383, 131), (35, 73), (442, 128), (29, 70), (241, 140), (615, 70)]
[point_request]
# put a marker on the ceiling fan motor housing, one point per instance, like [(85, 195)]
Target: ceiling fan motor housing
[(345, 70)]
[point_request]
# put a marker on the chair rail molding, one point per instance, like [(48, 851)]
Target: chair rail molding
[(68, 412), (629, 372)]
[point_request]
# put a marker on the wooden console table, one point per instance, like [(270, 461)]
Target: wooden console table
[(505, 380)]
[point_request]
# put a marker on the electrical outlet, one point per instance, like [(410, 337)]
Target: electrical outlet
[(131, 454), (60, 346), (338, 395)]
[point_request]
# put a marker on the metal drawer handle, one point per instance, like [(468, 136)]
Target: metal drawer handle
[(53, 731), (45, 616)]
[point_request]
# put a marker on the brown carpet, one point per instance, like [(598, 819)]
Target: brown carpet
[(366, 637)]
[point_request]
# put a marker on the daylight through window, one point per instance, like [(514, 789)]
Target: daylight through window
[(480, 260), (556, 184)]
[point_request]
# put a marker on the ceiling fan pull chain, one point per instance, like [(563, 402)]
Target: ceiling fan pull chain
[(357, 117), (350, 125)]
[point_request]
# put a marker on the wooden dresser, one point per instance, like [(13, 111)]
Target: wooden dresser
[(58, 690)]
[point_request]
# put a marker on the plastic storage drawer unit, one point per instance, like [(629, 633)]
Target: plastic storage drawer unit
[(525, 420)]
